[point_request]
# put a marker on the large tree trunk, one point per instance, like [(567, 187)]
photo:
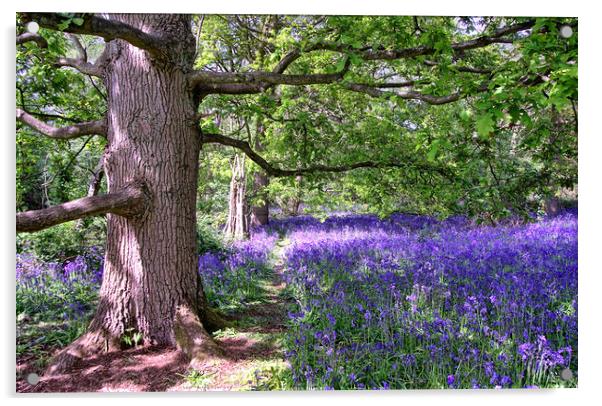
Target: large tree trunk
[(237, 224), (150, 283)]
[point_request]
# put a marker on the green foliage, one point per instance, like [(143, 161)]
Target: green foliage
[(63, 241), (208, 238), (54, 243), (198, 379), (51, 311), (504, 147), (507, 168), (484, 125), (278, 377), (131, 338), (49, 171)]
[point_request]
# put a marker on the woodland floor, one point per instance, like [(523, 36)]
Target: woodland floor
[(253, 356)]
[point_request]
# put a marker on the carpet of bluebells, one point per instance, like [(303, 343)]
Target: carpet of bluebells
[(233, 277), (404, 302), (55, 301), (411, 302)]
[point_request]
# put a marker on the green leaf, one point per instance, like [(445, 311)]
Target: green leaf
[(466, 114), (484, 125), (63, 25), (430, 156), (78, 21)]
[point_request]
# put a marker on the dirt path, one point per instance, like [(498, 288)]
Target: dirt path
[(254, 353), (253, 360)]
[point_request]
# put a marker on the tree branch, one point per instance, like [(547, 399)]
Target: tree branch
[(374, 91), (81, 62), (30, 37), (370, 53), (81, 51), (81, 65), (480, 42), (278, 172), (128, 202), (98, 127), (255, 82), (102, 27), (466, 69), (96, 178)]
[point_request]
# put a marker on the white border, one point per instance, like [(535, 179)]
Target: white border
[(590, 149)]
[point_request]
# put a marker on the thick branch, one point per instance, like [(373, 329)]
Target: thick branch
[(129, 201), (107, 29), (255, 82), (29, 37), (98, 127), (267, 78), (278, 172)]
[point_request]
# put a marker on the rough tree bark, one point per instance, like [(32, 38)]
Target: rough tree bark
[(292, 206), (260, 211), (150, 282), (237, 224)]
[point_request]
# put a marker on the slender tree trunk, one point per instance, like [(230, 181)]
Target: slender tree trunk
[(237, 225), (260, 211), (552, 206), (293, 205), (150, 282)]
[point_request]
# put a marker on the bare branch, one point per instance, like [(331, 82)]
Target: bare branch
[(102, 27), (30, 37), (98, 127), (128, 202)]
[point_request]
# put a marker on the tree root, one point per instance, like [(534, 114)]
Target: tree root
[(213, 320), (91, 343), (192, 338)]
